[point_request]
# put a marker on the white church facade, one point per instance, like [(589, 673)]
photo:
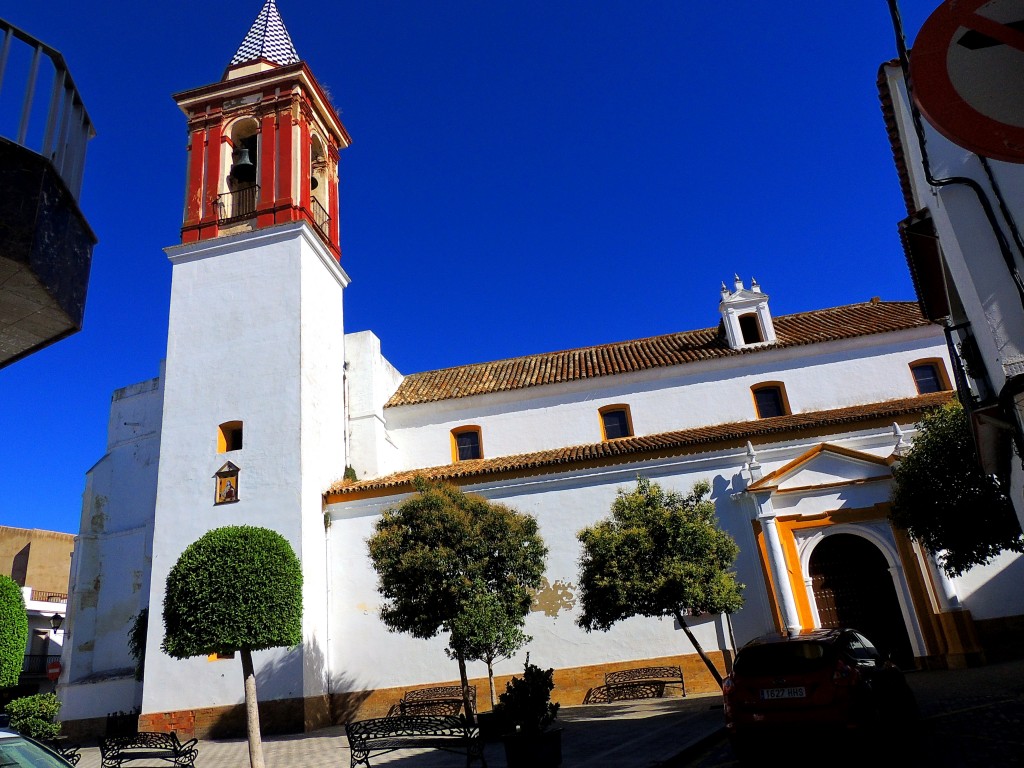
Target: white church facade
[(795, 420)]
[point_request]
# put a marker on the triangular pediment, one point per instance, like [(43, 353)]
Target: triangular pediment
[(825, 466), (745, 296)]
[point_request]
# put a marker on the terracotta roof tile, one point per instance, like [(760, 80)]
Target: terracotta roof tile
[(643, 447), (655, 352)]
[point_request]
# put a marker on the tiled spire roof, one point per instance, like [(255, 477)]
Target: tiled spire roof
[(267, 39)]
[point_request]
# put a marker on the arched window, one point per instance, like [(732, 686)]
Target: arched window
[(244, 173), (770, 399), (467, 443), (930, 376), (616, 422), (318, 186)]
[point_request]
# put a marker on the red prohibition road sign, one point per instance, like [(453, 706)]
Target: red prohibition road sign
[(53, 670), (967, 72)]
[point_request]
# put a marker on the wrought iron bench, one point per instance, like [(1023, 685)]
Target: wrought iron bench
[(70, 752), (378, 736), (439, 700), (642, 682), (147, 746)]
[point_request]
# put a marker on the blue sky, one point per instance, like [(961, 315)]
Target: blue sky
[(524, 177)]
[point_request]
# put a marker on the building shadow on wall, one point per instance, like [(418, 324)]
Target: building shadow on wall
[(289, 712)]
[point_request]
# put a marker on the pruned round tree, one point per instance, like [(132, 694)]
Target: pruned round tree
[(660, 553), (439, 549), (235, 589), (13, 631), (941, 497)]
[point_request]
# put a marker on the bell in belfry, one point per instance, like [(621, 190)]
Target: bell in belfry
[(242, 168)]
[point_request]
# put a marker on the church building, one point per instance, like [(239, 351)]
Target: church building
[(795, 420)]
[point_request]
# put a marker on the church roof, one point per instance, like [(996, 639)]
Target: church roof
[(267, 39), (818, 326), (645, 447)]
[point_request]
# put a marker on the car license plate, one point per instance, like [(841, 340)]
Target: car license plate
[(796, 692)]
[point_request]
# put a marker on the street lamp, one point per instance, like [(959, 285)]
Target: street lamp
[(56, 620)]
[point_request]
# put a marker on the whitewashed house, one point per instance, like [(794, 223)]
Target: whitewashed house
[(965, 248)]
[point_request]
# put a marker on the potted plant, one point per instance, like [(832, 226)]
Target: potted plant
[(526, 710)]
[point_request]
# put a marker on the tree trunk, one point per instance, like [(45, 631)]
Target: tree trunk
[(700, 651), (464, 678), (252, 712), (490, 682)]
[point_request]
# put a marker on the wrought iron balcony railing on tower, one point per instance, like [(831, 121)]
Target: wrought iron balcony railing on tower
[(240, 204), (321, 218), (237, 204)]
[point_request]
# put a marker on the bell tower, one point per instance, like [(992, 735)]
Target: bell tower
[(253, 419), (263, 143)]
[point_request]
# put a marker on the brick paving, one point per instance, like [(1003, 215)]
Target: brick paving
[(969, 718)]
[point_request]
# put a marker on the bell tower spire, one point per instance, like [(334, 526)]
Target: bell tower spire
[(255, 351), (268, 40), (264, 143)]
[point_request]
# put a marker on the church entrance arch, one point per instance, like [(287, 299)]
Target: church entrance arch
[(853, 588)]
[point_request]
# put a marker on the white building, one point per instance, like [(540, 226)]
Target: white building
[(963, 241), (263, 402)]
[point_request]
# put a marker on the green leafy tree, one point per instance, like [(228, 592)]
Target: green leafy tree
[(659, 554), (35, 716), (438, 551), (235, 589), (137, 641), (942, 498), (485, 630), (13, 631)]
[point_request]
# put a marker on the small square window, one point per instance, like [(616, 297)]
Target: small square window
[(468, 444), (769, 402), (229, 437), (616, 423), (927, 379)]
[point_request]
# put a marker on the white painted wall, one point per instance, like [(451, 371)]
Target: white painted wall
[(817, 377), (369, 382), (978, 271), (563, 504), (364, 655), (110, 566), (255, 334)]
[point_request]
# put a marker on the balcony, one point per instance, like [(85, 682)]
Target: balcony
[(237, 205), (45, 241), (321, 218), (36, 663), (969, 373), (49, 597)]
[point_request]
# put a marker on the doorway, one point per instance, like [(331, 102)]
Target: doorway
[(853, 588)]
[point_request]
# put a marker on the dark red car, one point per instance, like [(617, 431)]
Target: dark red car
[(817, 678)]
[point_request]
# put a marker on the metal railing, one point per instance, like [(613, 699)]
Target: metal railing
[(49, 597), (321, 218), (67, 127), (237, 204), (968, 368), (36, 663)]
